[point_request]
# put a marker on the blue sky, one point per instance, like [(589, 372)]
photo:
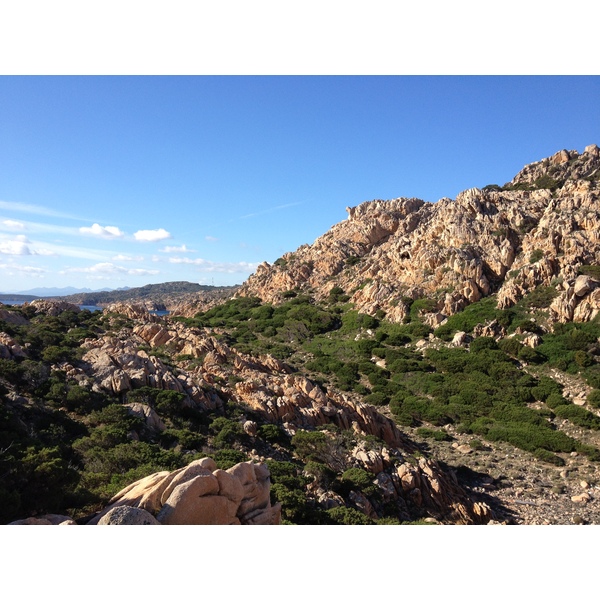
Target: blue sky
[(124, 181)]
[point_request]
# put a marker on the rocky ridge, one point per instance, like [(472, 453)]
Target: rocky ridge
[(542, 226)]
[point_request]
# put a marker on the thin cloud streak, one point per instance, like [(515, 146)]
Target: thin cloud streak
[(270, 210), (35, 227), (107, 268), (35, 209), (33, 271), (10, 224), (215, 267)]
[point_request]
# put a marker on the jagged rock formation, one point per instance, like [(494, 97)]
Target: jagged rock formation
[(191, 304), (118, 365), (53, 308), (11, 317), (419, 484), (542, 226), (9, 348)]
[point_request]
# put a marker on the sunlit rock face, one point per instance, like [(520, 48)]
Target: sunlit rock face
[(541, 227)]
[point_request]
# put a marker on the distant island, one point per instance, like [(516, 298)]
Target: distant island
[(158, 294)]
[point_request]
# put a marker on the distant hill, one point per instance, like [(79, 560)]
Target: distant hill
[(158, 294)]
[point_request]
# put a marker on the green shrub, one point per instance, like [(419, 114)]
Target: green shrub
[(541, 296), (546, 182), (483, 343), (536, 255), (272, 433), (353, 321), (578, 416), (556, 399), (377, 398), (169, 402), (227, 458), (318, 446), (591, 452), (341, 515), (226, 432), (591, 270), (337, 294), (545, 387), (549, 457), (529, 355), (593, 398), (510, 345), (322, 474), (357, 478), (478, 312), (436, 434), (531, 437), (187, 440)]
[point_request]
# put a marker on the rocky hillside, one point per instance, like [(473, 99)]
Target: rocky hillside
[(94, 400), (418, 363), (540, 228)]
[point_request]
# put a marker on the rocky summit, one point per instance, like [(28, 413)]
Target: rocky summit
[(542, 226), (419, 363)]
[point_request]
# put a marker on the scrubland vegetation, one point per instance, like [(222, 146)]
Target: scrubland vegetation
[(64, 448)]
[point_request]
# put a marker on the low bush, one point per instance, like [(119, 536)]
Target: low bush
[(549, 457), (578, 416), (435, 434), (593, 398), (536, 255), (530, 437), (341, 515)]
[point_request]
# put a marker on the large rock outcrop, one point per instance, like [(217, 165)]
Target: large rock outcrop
[(199, 494), (541, 227)]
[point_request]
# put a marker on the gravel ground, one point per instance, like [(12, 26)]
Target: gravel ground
[(522, 490)]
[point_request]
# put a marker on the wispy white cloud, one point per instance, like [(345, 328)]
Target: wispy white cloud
[(10, 224), (36, 209), (270, 210), (50, 249), (108, 232), (107, 268), (127, 258), (33, 227), (151, 235), (32, 271), (216, 267), (210, 238), (176, 249)]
